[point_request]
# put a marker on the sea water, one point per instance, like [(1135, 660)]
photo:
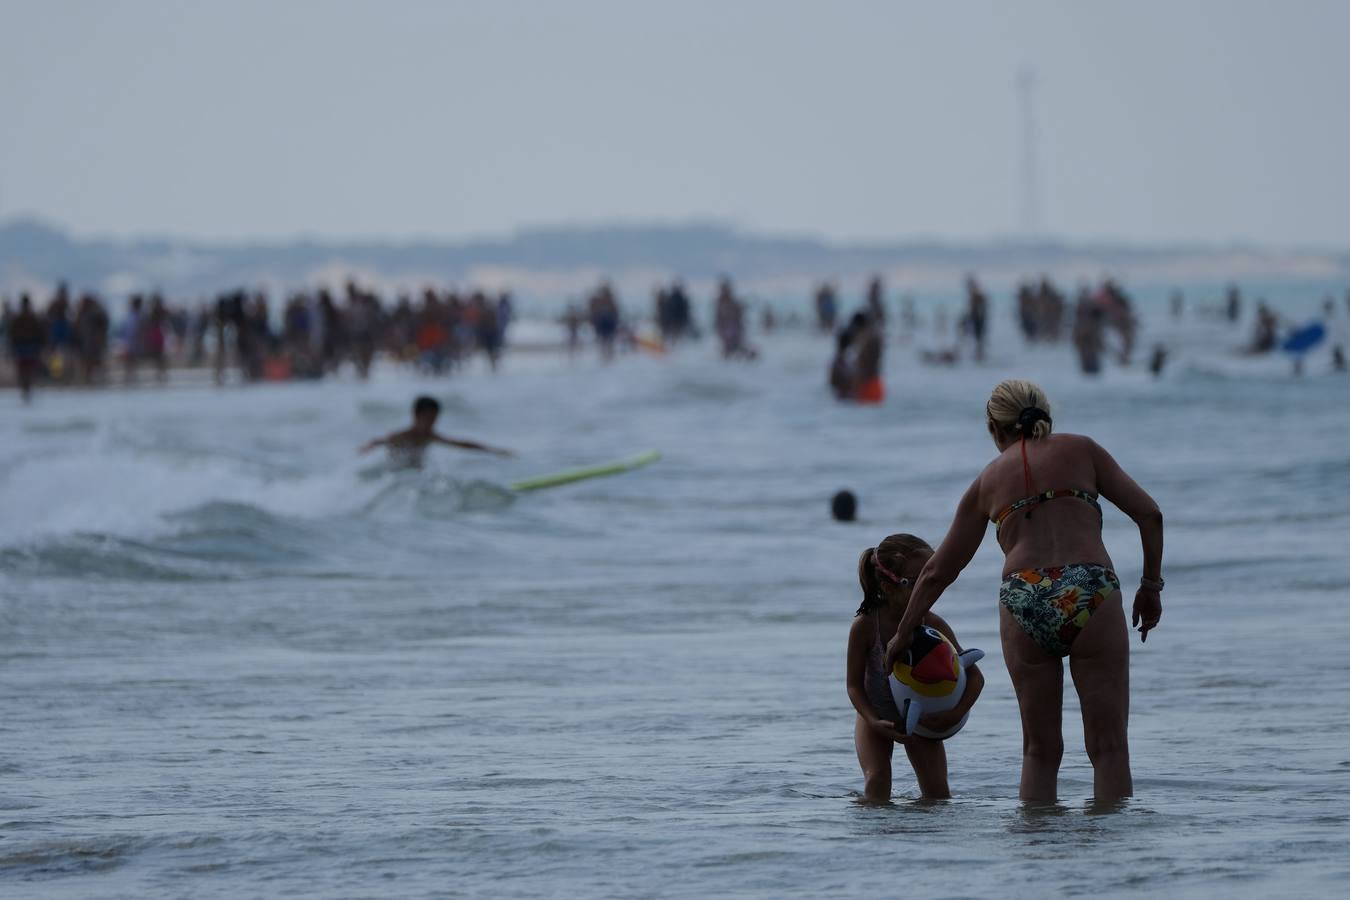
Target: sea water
[(239, 660)]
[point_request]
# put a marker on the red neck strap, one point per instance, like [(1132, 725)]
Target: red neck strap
[(1026, 467)]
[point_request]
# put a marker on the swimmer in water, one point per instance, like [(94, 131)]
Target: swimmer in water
[(409, 446)]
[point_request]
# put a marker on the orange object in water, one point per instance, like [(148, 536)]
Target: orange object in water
[(651, 345), (871, 391), (277, 368)]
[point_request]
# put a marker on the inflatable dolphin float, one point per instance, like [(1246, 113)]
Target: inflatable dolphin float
[(929, 678)]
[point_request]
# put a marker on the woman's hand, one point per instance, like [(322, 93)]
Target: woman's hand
[(896, 646), (1147, 611), (887, 730)]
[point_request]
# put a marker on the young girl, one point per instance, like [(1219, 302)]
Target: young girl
[(887, 573)]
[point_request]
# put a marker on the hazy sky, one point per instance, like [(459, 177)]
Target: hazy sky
[(1176, 119)]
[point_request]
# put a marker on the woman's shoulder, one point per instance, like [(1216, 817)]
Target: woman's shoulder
[(990, 468), (1076, 441), (1082, 447)]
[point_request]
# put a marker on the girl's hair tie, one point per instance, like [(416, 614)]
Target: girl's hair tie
[(876, 561)]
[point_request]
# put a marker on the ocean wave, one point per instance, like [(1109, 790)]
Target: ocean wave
[(434, 494), (129, 494), (218, 538), (60, 426), (70, 857), (236, 532), (206, 506), (105, 557)]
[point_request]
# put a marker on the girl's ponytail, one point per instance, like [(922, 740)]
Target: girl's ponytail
[(867, 577)]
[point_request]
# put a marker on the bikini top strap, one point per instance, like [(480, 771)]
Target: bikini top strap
[(1036, 499), (1020, 504), (1084, 495)]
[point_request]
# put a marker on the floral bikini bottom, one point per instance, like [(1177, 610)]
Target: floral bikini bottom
[(1052, 605)]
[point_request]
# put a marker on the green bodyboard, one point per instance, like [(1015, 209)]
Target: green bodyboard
[(600, 471)]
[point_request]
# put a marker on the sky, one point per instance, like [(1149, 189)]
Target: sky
[(1156, 120)]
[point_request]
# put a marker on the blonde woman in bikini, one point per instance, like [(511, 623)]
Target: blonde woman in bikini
[(1060, 596)]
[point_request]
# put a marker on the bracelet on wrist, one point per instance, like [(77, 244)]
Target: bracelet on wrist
[(1151, 584)]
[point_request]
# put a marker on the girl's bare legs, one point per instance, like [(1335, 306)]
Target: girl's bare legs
[(1100, 663), (1038, 679), (874, 755), (929, 759)]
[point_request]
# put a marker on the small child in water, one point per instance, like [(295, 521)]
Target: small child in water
[(409, 446), (887, 573)]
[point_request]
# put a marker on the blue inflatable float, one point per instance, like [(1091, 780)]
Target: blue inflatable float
[(1301, 340)]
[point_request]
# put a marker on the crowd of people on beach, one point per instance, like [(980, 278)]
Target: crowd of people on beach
[(1101, 324), (1042, 312), (855, 371), (672, 316), (56, 342), (313, 333)]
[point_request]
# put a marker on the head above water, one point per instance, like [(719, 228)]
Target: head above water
[(887, 571), (425, 410), (1017, 409), (844, 506)]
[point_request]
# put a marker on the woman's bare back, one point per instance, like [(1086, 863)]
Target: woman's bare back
[(1062, 531)]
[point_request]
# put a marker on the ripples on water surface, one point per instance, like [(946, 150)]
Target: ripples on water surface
[(238, 660)]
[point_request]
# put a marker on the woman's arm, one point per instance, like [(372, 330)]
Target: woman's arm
[(859, 636), (953, 554), (1134, 501)]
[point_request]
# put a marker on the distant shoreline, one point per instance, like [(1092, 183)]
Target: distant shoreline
[(563, 261)]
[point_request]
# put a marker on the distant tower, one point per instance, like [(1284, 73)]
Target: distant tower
[(1031, 189)]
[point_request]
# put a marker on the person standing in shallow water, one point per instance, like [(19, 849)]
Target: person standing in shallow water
[(864, 355), (841, 367), (977, 315), (1060, 595), (827, 307), (876, 303), (855, 371), (27, 337)]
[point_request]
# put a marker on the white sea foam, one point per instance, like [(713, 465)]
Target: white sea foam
[(127, 494)]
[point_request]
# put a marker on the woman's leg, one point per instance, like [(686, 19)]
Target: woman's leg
[(929, 759), (1038, 679), (874, 755), (1100, 662)]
